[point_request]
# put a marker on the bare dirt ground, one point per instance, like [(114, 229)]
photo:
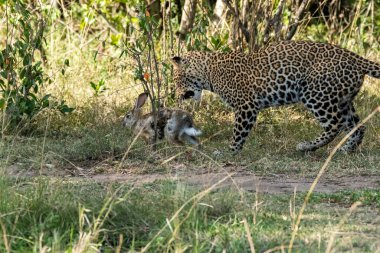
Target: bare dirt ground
[(238, 178), (247, 182)]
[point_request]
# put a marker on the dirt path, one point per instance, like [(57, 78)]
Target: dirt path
[(275, 184), (238, 178)]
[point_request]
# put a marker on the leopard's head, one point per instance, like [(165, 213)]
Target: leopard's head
[(189, 78)]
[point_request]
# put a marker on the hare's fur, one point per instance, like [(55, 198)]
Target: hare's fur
[(175, 124), (180, 128)]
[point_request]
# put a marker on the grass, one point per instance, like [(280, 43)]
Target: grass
[(47, 202), (42, 213), (97, 144)]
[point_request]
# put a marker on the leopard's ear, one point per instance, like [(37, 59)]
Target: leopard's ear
[(176, 61)]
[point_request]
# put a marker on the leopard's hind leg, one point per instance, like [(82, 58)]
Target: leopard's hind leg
[(351, 119), (330, 118)]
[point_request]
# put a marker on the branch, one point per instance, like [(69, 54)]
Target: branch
[(274, 22), (293, 27), (256, 17), (277, 18), (240, 23), (109, 24)]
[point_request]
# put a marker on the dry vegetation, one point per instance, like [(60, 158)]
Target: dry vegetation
[(77, 182)]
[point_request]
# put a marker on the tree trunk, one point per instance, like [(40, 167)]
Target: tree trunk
[(234, 37), (220, 13), (245, 8), (188, 15)]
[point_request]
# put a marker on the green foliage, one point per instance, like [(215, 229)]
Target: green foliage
[(351, 24), (200, 38), (99, 87), (219, 42), (21, 74)]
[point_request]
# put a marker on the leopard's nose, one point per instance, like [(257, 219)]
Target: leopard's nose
[(188, 94)]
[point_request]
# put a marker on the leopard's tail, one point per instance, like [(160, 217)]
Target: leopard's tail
[(371, 68)]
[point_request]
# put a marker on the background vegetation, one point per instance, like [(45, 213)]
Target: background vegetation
[(70, 69)]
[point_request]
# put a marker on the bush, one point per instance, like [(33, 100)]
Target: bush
[(21, 69)]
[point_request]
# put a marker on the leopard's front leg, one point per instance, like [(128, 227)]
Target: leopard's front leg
[(244, 120)]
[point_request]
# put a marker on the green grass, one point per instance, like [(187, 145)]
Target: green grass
[(42, 208), (98, 143), (38, 213)]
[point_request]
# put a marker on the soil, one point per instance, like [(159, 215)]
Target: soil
[(238, 178), (241, 181)]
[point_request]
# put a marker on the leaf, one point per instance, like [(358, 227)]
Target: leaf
[(30, 105), (67, 62), (27, 60), (1, 60), (22, 73), (22, 106), (115, 38), (45, 101), (96, 54), (38, 65), (2, 103), (215, 42), (3, 74), (63, 108), (34, 98), (27, 34), (137, 74), (135, 20), (93, 85), (46, 97)]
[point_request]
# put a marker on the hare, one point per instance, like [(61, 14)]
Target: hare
[(174, 124), (143, 125), (180, 128)]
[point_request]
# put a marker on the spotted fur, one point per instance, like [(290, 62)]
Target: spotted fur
[(323, 77)]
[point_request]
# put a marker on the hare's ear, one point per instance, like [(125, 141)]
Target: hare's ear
[(141, 100)]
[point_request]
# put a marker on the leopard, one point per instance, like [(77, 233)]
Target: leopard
[(325, 78)]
